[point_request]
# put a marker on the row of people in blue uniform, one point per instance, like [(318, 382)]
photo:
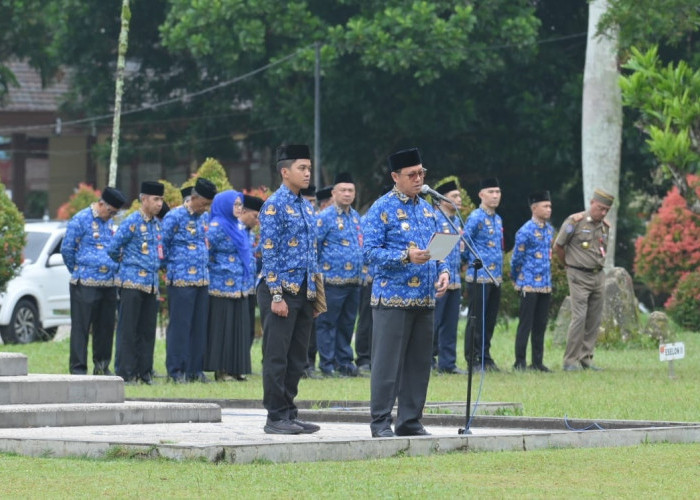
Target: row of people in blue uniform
[(202, 256)]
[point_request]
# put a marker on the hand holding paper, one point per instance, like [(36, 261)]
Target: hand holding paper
[(441, 244)]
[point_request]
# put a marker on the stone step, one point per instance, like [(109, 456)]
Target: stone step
[(56, 389), (12, 364), (134, 412)]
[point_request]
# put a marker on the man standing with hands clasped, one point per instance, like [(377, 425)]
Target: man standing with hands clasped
[(398, 227), (484, 229), (581, 245), (93, 295), (287, 291), (531, 273)]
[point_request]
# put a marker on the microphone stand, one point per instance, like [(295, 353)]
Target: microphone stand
[(476, 265)]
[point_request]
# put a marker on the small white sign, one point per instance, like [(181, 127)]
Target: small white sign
[(667, 352)]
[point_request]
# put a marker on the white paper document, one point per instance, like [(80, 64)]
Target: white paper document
[(441, 244)]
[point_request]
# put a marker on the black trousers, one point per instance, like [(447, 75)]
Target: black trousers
[(285, 344), (97, 307), (402, 346), (363, 335), (136, 333), (483, 319), (534, 308)]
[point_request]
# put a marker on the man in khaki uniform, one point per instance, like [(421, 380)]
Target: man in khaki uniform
[(581, 245)]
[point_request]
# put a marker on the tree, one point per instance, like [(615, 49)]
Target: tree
[(668, 101), (602, 116), (25, 33), (394, 73)]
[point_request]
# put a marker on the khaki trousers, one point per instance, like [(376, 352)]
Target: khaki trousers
[(587, 292)]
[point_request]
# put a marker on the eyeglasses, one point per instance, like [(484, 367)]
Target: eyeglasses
[(418, 173)]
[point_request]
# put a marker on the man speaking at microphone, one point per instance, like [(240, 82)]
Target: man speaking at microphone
[(398, 228)]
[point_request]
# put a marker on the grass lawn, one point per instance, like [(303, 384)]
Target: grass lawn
[(634, 385)]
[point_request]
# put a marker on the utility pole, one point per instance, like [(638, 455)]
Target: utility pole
[(119, 90), (317, 118)]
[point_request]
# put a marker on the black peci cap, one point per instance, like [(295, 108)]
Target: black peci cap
[(490, 182), (186, 191), (113, 197), (205, 188), (293, 152), (343, 177), (538, 196), (324, 193), (153, 188), (447, 187), (252, 202), (404, 158)]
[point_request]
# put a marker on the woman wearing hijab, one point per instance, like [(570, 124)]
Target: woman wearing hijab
[(228, 353)]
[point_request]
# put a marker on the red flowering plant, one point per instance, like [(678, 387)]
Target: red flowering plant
[(81, 198), (671, 245)]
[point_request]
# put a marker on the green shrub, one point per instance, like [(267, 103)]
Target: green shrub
[(212, 170), (12, 230), (683, 305), (510, 299)]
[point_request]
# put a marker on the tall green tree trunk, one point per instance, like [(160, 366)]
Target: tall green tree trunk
[(119, 88), (602, 116)]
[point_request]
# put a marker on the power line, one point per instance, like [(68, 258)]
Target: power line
[(191, 95), (149, 107)]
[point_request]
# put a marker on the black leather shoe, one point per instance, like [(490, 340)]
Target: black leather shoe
[(540, 368), (452, 371), (146, 379), (383, 433), (308, 427), (309, 373), (348, 371), (491, 367), (282, 427), (101, 369), (199, 377), (593, 368), (412, 432), (178, 379), (519, 367)]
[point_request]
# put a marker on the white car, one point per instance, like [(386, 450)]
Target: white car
[(37, 301)]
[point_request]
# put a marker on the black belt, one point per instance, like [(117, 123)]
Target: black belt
[(585, 269)]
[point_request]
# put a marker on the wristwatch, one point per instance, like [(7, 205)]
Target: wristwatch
[(277, 298), (405, 258)]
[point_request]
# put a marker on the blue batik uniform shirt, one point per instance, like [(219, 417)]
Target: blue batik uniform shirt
[(184, 239), (288, 243), (138, 247), (531, 260), (453, 259), (394, 224), (485, 232), (84, 249), (340, 246), (226, 277)]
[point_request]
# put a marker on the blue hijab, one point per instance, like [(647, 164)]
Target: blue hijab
[(222, 212)]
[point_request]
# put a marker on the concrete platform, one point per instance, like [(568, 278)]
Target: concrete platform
[(239, 438), (54, 389), (12, 364), (103, 414)]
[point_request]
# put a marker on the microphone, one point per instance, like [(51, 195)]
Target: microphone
[(425, 189)]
